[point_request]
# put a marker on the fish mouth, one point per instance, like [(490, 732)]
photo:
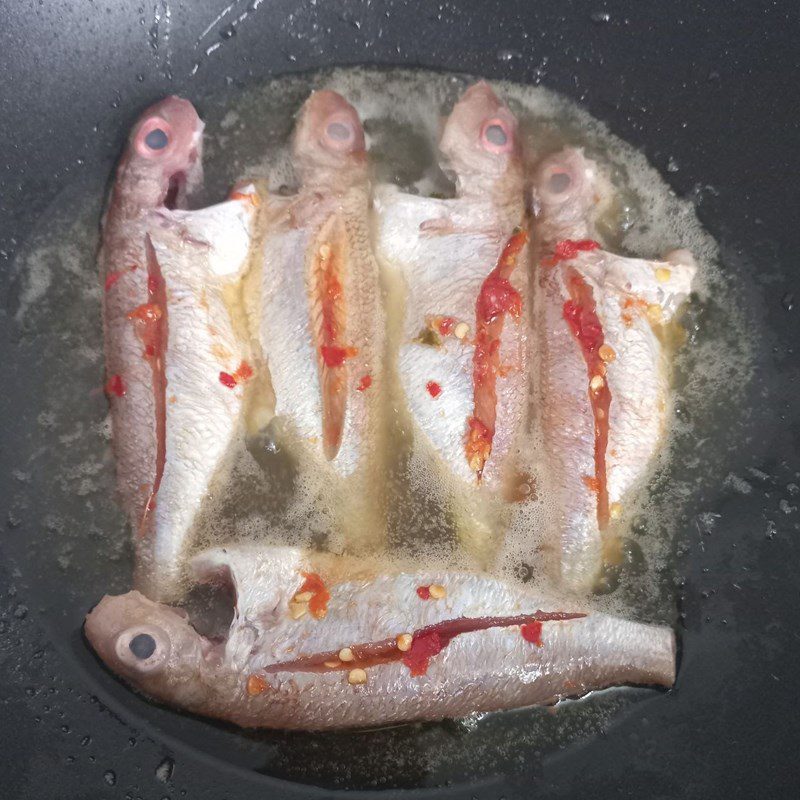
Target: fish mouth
[(176, 190), (183, 182), (416, 649), (114, 616)]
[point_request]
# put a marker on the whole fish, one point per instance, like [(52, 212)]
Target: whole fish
[(311, 649), (319, 313), (604, 372), (176, 367), (462, 358)]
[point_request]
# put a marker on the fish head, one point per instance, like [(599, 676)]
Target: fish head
[(163, 159), (570, 193), (479, 140), (328, 138), (152, 646)]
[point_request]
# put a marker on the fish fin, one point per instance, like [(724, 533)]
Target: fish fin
[(662, 283), (437, 226), (474, 528), (222, 233)]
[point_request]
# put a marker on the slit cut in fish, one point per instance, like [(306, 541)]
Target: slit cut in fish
[(150, 321), (497, 299), (603, 379), (169, 338), (580, 312), (435, 637), (475, 644), (457, 262), (321, 641), (329, 319), (320, 321)]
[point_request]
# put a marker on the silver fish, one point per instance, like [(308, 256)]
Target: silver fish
[(462, 360), (319, 314), (375, 651), (173, 358), (604, 372)]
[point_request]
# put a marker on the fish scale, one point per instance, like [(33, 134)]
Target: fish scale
[(625, 291), (172, 420), (203, 413), (444, 250), (259, 674), (318, 400), (483, 670)]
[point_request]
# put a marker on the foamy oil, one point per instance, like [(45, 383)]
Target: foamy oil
[(275, 493)]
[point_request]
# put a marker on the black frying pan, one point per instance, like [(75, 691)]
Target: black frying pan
[(711, 86)]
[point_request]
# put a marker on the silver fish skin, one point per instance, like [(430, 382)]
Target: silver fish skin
[(146, 178), (320, 319), (633, 299), (442, 251), (251, 680), (168, 335), (207, 365)]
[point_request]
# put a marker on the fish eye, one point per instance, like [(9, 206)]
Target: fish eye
[(559, 182), (143, 645), (339, 132), (496, 136), (144, 648), (157, 139), (154, 138)]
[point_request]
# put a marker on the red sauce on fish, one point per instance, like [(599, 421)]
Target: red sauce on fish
[(580, 312), (331, 294), (423, 648), (243, 372), (113, 277), (496, 299), (591, 483), (328, 316), (631, 307), (336, 356), (424, 592), (318, 604), (115, 386), (445, 325), (567, 249), (434, 390), (425, 644), (150, 321), (364, 383), (532, 632), (256, 685), (150, 314), (497, 295)]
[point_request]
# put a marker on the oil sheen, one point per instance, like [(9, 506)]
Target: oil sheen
[(81, 541)]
